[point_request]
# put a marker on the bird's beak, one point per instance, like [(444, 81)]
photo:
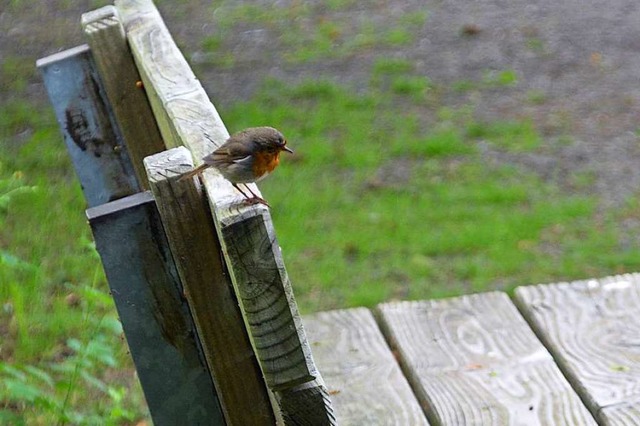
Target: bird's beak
[(286, 148)]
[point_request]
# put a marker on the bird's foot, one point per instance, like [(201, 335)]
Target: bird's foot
[(256, 200)]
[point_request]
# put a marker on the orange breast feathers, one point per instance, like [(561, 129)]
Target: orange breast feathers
[(265, 162)]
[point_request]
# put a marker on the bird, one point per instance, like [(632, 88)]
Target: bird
[(248, 156)]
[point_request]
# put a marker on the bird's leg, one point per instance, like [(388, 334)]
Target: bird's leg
[(249, 189), (251, 200), (256, 198), (241, 191)]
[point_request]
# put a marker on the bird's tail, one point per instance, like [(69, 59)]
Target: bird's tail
[(198, 170)]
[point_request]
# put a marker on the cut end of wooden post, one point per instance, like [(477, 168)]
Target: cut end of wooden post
[(193, 240), (99, 19), (307, 404), (168, 164)]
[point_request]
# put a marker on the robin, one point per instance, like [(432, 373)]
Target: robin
[(246, 157)]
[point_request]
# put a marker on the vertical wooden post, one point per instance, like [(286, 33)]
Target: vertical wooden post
[(207, 287), (186, 117), (131, 242), (123, 86), (100, 159), (147, 292)]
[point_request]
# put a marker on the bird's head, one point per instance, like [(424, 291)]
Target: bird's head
[(269, 139)]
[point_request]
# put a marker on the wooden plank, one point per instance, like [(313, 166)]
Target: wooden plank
[(180, 105), (187, 117), (269, 307), (155, 318), (623, 414), (308, 404), (362, 375), (120, 78), (194, 243), (99, 157), (474, 360), (591, 328)]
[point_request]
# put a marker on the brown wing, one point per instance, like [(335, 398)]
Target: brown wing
[(233, 150)]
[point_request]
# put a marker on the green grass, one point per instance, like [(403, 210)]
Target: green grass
[(515, 136), (312, 32), (504, 78), (454, 224), (392, 66), (536, 97), (61, 351), (490, 79), (411, 85)]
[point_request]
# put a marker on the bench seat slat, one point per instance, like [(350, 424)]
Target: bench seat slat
[(591, 327), (474, 360), (365, 381)]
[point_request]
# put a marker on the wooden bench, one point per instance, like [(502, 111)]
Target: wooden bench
[(209, 313)]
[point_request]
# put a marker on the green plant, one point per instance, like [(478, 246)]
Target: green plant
[(46, 376), (11, 187), (517, 135), (535, 44), (536, 97), (211, 43), (15, 73), (31, 394), (500, 78), (398, 36), (417, 87), (58, 390), (464, 85), (392, 66)]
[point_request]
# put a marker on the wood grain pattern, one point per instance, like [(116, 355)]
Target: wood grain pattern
[(194, 244), (186, 117), (592, 329), (270, 310), (308, 404), (623, 414), (180, 105), (119, 75), (99, 156), (361, 373), (474, 360), (147, 292)]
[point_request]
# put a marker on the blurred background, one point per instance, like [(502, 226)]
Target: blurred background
[(441, 148)]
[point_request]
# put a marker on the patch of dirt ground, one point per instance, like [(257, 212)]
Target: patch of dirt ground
[(580, 60)]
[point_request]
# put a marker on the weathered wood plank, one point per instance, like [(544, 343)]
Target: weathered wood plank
[(156, 320), (187, 117), (194, 243), (307, 404), (623, 414), (93, 141), (474, 360), (119, 75), (592, 329), (269, 306), (362, 375), (180, 105)]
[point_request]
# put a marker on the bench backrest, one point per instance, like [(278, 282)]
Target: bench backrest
[(198, 279)]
